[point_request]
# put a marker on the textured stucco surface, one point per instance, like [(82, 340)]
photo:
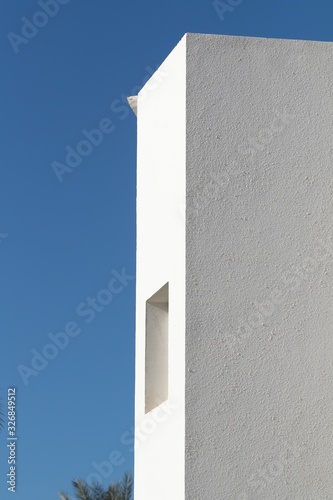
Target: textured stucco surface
[(243, 128), (160, 434), (259, 282)]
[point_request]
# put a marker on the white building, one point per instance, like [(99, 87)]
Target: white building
[(234, 354)]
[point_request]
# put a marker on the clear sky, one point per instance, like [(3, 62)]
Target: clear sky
[(67, 225)]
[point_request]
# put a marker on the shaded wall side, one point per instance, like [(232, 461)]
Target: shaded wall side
[(259, 272), (159, 443)]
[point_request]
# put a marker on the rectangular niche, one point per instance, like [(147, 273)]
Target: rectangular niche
[(156, 383)]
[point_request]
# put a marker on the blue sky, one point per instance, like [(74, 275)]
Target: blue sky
[(67, 227)]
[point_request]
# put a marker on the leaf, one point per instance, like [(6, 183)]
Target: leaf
[(82, 490), (127, 486), (64, 496), (97, 492)]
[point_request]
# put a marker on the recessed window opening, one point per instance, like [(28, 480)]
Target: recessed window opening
[(156, 383)]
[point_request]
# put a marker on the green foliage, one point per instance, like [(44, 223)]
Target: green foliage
[(121, 490), (64, 496)]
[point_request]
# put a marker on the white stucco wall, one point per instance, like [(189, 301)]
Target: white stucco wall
[(243, 127), (259, 275), (160, 434)]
